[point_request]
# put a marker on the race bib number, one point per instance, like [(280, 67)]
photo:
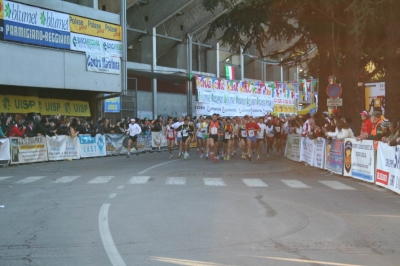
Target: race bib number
[(227, 135), (278, 129), (185, 133), (244, 133), (170, 134), (214, 130), (251, 133)]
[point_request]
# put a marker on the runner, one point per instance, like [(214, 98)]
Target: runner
[(228, 129), (214, 128), (260, 136), (170, 136), (269, 132), (243, 137), (200, 136), (179, 136), (252, 128), (235, 134), (186, 132), (134, 130), (278, 136), (205, 132)]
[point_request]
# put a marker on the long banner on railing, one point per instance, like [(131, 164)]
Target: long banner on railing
[(28, 150), (359, 159), (292, 150), (92, 146), (62, 148), (388, 167)]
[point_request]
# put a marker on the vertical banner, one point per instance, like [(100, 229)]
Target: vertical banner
[(292, 151), (307, 151), (334, 156), (62, 148), (319, 153), (28, 150), (92, 146), (388, 167), (359, 160), (5, 150)]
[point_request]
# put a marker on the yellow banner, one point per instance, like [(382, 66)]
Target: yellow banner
[(95, 28), (24, 104), (1, 9)]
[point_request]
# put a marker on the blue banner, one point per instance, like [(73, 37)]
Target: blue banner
[(14, 31), (112, 105), (335, 156)]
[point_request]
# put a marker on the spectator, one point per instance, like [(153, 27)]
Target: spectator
[(99, 129), (73, 128), (394, 134), (63, 129), (117, 128), (342, 131), (5, 125), (43, 129), (366, 126), (376, 133), (29, 130), (17, 130), (2, 133)]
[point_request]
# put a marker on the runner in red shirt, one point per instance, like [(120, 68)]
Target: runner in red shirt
[(252, 128)]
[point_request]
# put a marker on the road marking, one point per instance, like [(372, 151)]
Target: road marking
[(112, 195), (106, 237), (139, 180), (373, 187), (66, 179), (309, 261), (254, 183), (4, 177), (217, 182), (30, 179), (185, 262), (176, 181), (157, 165), (100, 180), (336, 185), (295, 184), (120, 187)]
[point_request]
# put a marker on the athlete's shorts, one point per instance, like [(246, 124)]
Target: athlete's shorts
[(133, 138), (226, 140), (184, 139), (271, 139), (178, 139), (253, 139), (284, 136), (260, 140), (200, 137), (205, 137), (170, 139), (214, 137), (278, 135)]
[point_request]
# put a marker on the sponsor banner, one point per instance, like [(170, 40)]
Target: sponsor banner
[(63, 107), (85, 43), (116, 144), (18, 104), (18, 32), (5, 150), (103, 64), (111, 48), (1, 9), (319, 153), (359, 159), (62, 148), (95, 28), (1, 29), (28, 150), (388, 167), (112, 105), (144, 142), (307, 151), (292, 150), (158, 139), (36, 17), (92, 146), (334, 156)]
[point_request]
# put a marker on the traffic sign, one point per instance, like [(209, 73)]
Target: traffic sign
[(334, 90), (335, 102)]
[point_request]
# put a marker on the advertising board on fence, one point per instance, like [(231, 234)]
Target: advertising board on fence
[(158, 139), (319, 153), (62, 147), (307, 150), (334, 156), (359, 159), (4, 149), (28, 150), (292, 150), (116, 144), (388, 167), (92, 146)]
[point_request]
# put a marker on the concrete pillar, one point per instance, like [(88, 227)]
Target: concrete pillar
[(212, 61)]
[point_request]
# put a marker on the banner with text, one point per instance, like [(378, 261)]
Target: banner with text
[(103, 63), (359, 159), (5, 150), (96, 45), (28, 150), (92, 146), (95, 28), (388, 167), (292, 151), (62, 148), (112, 105), (158, 139), (334, 157), (319, 153), (307, 151)]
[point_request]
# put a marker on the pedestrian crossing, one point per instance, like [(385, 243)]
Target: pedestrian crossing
[(184, 181)]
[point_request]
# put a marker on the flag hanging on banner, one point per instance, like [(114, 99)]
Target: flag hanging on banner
[(230, 72)]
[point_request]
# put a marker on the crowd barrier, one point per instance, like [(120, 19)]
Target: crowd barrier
[(349, 157)]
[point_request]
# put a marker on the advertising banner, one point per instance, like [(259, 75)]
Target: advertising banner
[(95, 28), (388, 167), (111, 48), (319, 153), (144, 142), (92, 146), (307, 151), (19, 104), (63, 107), (335, 156), (1, 9), (103, 64), (5, 150), (116, 144), (85, 43), (112, 105), (28, 150), (158, 139), (62, 148), (292, 151), (359, 159)]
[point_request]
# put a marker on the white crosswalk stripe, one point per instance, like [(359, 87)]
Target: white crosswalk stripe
[(101, 180), (295, 184), (4, 177), (217, 182), (139, 180), (336, 185), (254, 183), (176, 181), (66, 179), (30, 179)]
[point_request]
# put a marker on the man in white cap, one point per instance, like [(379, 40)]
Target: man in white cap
[(134, 130)]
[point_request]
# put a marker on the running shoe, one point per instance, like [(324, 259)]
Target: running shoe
[(170, 156), (258, 158), (217, 157), (201, 156), (228, 158), (128, 155), (179, 155), (249, 157)]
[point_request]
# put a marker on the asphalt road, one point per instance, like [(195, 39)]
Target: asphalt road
[(150, 210)]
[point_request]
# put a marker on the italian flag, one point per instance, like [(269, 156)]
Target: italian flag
[(230, 72)]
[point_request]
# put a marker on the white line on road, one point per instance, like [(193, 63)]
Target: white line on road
[(139, 180), (66, 179), (336, 185), (176, 181), (254, 183), (4, 177), (30, 179), (112, 195), (106, 237), (101, 180), (217, 182), (373, 187), (120, 187), (157, 165), (295, 184)]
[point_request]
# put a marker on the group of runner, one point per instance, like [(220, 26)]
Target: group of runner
[(220, 138)]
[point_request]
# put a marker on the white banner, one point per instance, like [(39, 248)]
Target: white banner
[(388, 167), (319, 153), (28, 150), (359, 159), (5, 150), (85, 43), (92, 146), (112, 48), (158, 139), (307, 151), (292, 151), (116, 144), (103, 64), (62, 148)]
